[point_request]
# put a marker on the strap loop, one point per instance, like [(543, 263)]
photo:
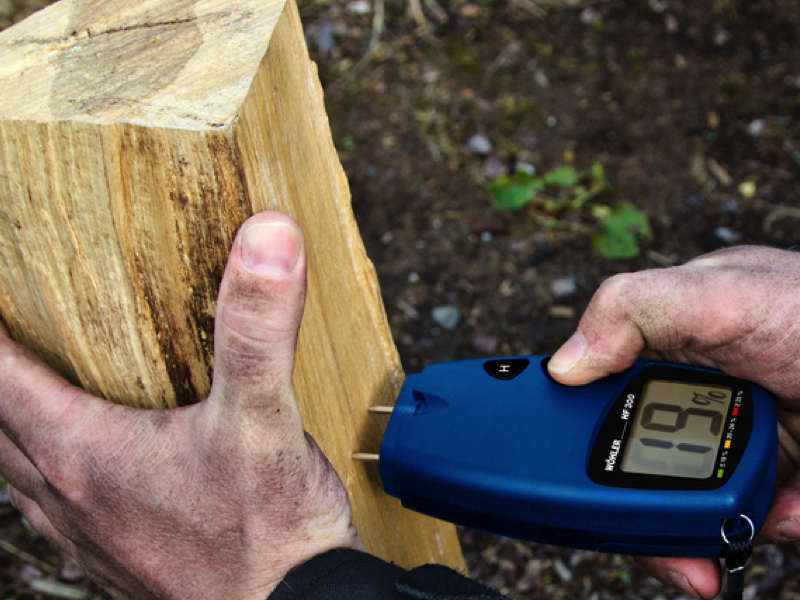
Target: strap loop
[(739, 548)]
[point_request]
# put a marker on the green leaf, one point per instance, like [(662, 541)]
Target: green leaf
[(620, 232), (598, 174), (562, 177), (512, 193)]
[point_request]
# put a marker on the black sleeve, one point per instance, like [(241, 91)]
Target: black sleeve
[(353, 575)]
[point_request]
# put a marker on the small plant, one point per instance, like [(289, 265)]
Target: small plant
[(565, 191), (522, 188), (620, 228)]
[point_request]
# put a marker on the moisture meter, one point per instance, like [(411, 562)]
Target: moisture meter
[(657, 460)]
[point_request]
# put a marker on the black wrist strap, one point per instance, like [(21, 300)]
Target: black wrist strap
[(353, 575), (340, 575)]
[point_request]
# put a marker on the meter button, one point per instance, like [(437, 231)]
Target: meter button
[(506, 369)]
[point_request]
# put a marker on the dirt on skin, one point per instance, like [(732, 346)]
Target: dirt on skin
[(691, 108)]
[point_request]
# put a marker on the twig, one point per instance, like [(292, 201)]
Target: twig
[(377, 26), (662, 259), (415, 8), (530, 6), (59, 590), (504, 58), (28, 558), (778, 214), (439, 14), (535, 6), (344, 81)]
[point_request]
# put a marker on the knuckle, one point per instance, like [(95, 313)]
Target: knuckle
[(64, 478), (616, 288), (256, 353), (612, 302), (248, 330)]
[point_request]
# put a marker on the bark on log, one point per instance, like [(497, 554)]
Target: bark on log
[(135, 138)]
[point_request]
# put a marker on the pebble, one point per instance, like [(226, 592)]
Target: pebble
[(671, 23), (358, 7), (757, 127), (731, 206), (324, 38), (479, 144), (540, 77), (721, 37), (590, 16), (431, 76), (747, 189), (447, 316), (728, 235), (526, 168), (561, 288), (562, 570), (485, 343)]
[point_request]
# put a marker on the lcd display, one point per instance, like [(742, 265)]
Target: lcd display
[(676, 429)]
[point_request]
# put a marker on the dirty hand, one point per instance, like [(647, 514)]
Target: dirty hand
[(215, 500), (736, 310)]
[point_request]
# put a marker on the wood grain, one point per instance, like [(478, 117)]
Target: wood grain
[(135, 138)]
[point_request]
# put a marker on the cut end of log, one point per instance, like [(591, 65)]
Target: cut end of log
[(186, 64)]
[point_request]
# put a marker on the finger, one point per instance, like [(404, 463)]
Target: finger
[(259, 309), (700, 578), (40, 412), (17, 469), (37, 519), (783, 521)]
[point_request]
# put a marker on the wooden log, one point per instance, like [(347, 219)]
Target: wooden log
[(135, 137)]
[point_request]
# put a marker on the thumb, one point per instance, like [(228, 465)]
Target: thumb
[(259, 308), (626, 316)]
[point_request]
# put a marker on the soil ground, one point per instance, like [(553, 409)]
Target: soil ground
[(691, 108)]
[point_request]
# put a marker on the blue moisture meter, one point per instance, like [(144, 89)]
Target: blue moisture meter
[(657, 460)]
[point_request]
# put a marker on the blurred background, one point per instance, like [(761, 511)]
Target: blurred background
[(506, 156)]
